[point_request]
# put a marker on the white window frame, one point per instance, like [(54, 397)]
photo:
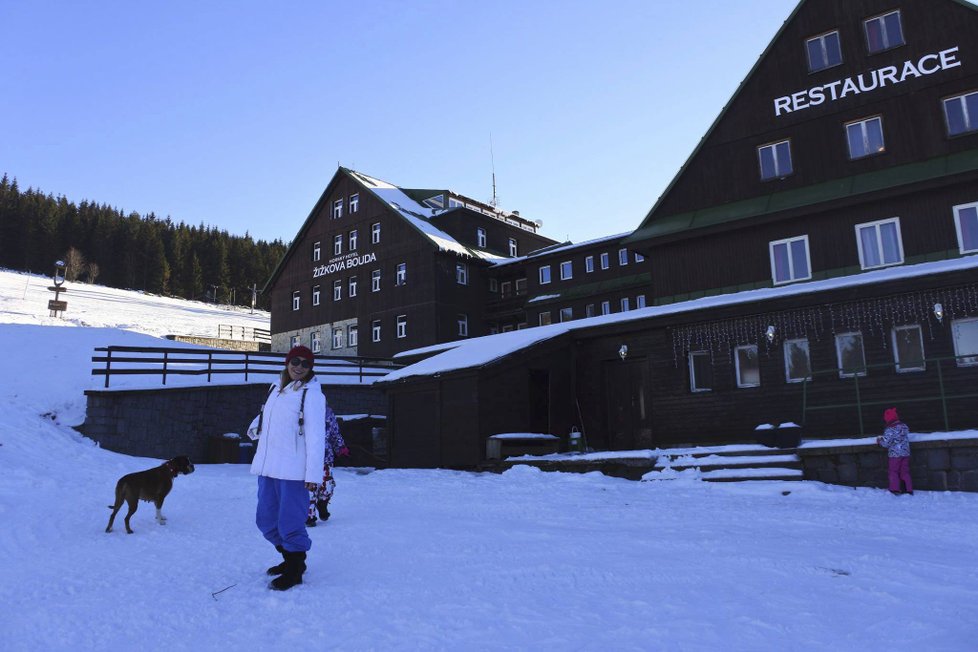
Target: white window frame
[(296, 300), (605, 260), (737, 371), (480, 236), (605, 307), (463, 325), (505, 289), (520, 287), (545, 318), (401, 322), (294, 341), (352, 240), (876, 226), (338, 244), (566, 314), (973, 208), (887, 45), (352, 287), (337, 209), (787, 360), (956, 326), (315, 295), (822, 39), (315, 343), (589, 264), (640, 301), (352, 336), (622, 257), (864, 133), (791, 261), (375, 330), (338, 338), (639, 258), (589, 310), (461, 273), (692, 371), (544, 269), (354, 202), (902, 369), (566, 270), (513, 248), (317, 252), (400, 274), (970, 121), (375, 233), (626, 305), (494, 285), (783, 167), (338, 290), (838, 354), (375, 280)]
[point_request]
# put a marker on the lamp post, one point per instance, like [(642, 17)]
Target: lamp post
[(56, 305)]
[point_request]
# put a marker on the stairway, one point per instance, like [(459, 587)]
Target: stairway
[(732, 463)]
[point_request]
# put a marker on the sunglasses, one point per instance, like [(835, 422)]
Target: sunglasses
[(306, 364)]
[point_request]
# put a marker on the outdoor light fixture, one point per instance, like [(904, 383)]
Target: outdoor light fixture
[(939, 312), (59, 273), (623, 352), (770, 333)]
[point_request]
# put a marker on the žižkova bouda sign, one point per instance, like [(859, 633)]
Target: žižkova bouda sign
[(341, 263)]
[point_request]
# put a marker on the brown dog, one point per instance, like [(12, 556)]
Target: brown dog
[(151, 485)]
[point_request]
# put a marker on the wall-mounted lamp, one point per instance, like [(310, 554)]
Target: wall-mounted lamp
[(770, 334), (939, 312), (623, 352)]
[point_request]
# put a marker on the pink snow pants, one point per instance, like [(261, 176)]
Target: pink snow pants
[(900, 470)]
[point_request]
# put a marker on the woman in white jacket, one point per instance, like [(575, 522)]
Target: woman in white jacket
[(291, 434)]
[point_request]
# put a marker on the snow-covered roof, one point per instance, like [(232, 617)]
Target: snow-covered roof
[(546, 251), (478, 351)]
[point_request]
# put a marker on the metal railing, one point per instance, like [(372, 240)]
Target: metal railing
[(861, 379), (164, 362)]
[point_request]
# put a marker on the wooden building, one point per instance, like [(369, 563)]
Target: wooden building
[(814, 260)]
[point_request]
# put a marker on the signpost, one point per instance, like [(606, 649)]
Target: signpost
[(56, 305)]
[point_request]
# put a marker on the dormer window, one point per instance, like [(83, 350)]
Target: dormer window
[(884, 32), (824, 51)]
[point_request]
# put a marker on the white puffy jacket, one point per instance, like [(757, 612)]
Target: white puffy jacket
[(282, 452)]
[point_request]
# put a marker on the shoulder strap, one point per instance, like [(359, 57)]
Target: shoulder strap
[(261, 413), (302, 410)]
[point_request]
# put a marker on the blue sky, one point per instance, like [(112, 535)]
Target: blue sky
[(236, 114)]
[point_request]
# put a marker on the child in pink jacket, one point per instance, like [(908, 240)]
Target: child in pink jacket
[(896, 439)]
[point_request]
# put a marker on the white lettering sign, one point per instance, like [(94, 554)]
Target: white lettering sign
[(339, 264), (868, 81)]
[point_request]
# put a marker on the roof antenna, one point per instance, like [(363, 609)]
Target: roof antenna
[(494, 202)]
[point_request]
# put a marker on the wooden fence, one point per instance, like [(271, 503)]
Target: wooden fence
[(232, 332), (162, 361)]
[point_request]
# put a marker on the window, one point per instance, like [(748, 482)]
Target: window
[(589, 310), (566, 314), (375, 233), (966, 224), (295, 300), (700, 372), (521, 326), (355, 202), (316, 251), (337, 338), (337, 290), (352, 291), (315, 295), (908, 348), (789, 260), (375, 330), (494, 285), (314, 342), (965, 335), (640, 301), (375, 281), (961, 113), (337, 209), (884, 32), (589, 264), (544, 274), (400, 276), (545, 318), (625, 305), (824, 51), (480, 236), (338, 245), (623, 257), (605, 261), (852, 358), (463, 325), (401, 326), (605, 307), (520, 287), (461, 273), (639, 258), (879, 243), (353, 240), (566, 271), (352, 333), (747, 366), (775, 160), (293, 341), (797, 364), (865, 138), (513, 248), (505, 289)]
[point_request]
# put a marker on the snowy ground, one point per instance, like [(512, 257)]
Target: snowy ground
[(437, 560)]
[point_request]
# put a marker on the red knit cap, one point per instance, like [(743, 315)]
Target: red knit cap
[(300, 352), (890, 415)]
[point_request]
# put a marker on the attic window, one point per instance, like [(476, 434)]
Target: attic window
[(884, 32), (438, 201), (824, 51)]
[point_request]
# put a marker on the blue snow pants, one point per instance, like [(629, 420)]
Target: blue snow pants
[(281, 513)]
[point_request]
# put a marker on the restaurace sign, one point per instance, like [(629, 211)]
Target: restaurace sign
[(343, 262), (869, 81)]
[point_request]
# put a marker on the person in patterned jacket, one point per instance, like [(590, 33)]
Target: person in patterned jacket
[(896, 439), (335, 445)]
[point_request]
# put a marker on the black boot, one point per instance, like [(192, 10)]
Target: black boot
[(311, 521), (280, 568), (295, 566), (321, 508)]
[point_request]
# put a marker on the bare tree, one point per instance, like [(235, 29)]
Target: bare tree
[(74, 264), (91, 271)]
